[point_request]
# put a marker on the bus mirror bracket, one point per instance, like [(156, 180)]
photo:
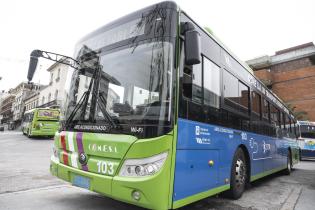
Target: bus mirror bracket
[(50, 56), (192, 44)]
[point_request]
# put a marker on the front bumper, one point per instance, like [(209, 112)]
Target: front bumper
[(43, 132), (118, 188)]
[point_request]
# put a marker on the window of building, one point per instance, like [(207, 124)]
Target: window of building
[(51, 77), (43, 100), (49, 97), (211, 81), (56, 94), (58, 75)]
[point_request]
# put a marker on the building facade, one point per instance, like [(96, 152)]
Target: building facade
[(6, 109), (290, 73), (54, 94), (21, 92), (32, 101)]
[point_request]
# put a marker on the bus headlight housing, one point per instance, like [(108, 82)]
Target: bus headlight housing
[(144, 166)]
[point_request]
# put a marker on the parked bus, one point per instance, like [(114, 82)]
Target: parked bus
[(160, 114), (307, 139), (40, 122)]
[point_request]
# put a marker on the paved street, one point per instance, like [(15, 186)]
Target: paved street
[(25, 183)]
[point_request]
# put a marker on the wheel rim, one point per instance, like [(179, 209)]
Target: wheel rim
[(240, 173)]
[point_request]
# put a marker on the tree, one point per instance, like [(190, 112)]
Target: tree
[(209, 30), (300, 115)]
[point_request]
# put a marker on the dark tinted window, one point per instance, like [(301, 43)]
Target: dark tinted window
[(265, 109), (274, 115), (230, 87), (243, 93), (236, 94), (256, 103), (287, 123), (192, 83), (197, 83), (211, 82)]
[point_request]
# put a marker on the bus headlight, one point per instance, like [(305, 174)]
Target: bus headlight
[(143, 167)]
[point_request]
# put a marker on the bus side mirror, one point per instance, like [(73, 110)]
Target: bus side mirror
[(192, 44), (33, 64)]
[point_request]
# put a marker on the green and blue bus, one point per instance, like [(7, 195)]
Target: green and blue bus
[(160, 114), (307, 140), (40, 122)]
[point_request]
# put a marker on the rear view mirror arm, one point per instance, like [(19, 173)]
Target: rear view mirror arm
[(49, 56)]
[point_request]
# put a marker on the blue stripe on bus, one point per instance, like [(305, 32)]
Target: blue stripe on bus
[(198, 143)]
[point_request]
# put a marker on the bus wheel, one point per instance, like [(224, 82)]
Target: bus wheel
[(238, 175), (29, 134), (288, 170)]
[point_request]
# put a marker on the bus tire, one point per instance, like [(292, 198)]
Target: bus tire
[(288, 170), (238, 175), (29, 133)]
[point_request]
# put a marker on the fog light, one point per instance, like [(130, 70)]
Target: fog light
[(136, 195)]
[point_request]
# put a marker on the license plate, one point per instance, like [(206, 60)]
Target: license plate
[(81, 181)]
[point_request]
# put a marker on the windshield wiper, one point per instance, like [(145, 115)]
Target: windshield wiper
[(82, 102), (104, 111)]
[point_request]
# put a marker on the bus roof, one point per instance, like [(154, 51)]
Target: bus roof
[(306, 123), (243, 64), (35, 109)]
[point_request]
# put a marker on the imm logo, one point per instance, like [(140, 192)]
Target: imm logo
[(197, 131)]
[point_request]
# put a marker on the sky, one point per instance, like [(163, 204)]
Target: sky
[(249, 28)]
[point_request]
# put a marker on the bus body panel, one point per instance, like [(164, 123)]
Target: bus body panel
[(114, 149), (306, 139), (199, 143), (307, 146)]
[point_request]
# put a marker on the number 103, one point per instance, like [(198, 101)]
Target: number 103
[(105, 167)]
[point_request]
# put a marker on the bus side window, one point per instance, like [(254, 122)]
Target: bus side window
[(31, 117), (192, 83), (266, 110), (275, 120), (287, 125), (211, 82), (283, 124)]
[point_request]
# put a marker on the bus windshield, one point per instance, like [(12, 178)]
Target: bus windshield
[(307, 130), (125, 76), (135, 85)]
